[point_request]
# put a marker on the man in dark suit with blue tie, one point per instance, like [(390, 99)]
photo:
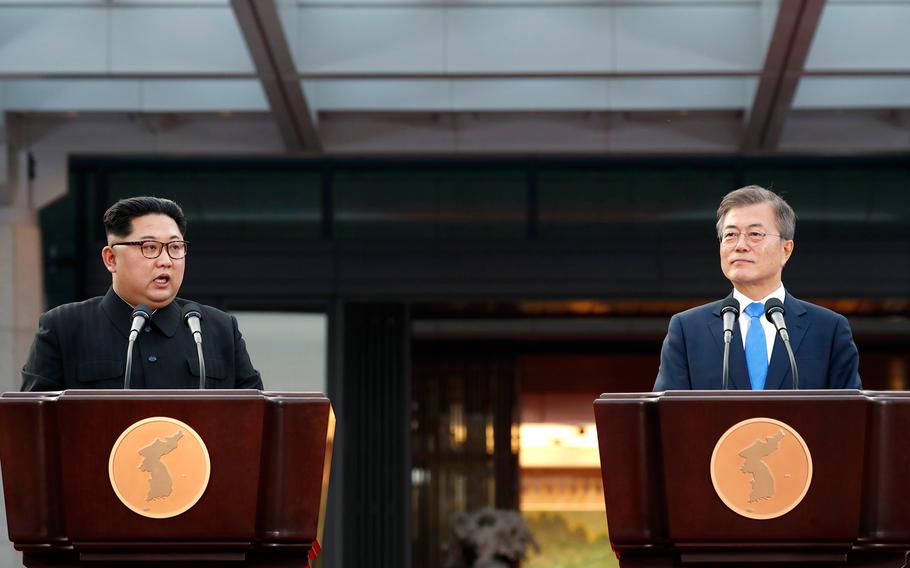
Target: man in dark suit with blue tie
[(756, 229), (83, 344)]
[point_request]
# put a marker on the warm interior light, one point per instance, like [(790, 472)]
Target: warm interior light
[(558, 445)]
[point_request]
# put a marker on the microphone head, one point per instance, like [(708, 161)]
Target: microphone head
[(730, 304), (192, 310), (774, 306), (142, 311)]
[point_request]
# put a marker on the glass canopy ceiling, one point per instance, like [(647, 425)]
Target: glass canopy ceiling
[(752, 68)]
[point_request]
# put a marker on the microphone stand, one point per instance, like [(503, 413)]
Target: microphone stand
[(192, 315), (140, 317), (774, 311), (792, 362), (197, 337), (129, 361), (729, 312)]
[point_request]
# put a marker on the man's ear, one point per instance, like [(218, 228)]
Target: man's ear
[(109, 259), (788, 250)]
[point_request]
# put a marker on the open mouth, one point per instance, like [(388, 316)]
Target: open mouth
[(162, 279)]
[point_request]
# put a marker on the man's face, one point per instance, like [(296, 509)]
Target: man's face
[(140, 280), (754, 267)]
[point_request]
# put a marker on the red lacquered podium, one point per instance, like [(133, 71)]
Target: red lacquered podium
[(268, 456), (665, 458)]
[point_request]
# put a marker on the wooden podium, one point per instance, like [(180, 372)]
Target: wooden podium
[(666, 457), (263, 501)]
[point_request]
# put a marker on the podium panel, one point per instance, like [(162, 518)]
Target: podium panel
[(166, 476), (767, 477)]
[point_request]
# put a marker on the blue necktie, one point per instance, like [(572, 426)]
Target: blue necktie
[(756, 348)]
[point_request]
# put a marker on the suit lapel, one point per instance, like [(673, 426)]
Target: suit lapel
[(797, 324), (779, 367)]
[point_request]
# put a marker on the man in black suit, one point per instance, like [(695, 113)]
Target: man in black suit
[(756, 229), (83, 344)]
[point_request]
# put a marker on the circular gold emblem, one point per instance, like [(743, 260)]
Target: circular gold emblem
[(761, 468), (159, 467)]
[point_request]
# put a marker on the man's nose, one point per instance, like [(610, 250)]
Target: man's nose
[(742, 243), (164, 259)]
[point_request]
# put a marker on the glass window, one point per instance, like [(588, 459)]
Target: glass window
[(437, 204), (241, 204), (842, 202), (288, 349), (647, 203)]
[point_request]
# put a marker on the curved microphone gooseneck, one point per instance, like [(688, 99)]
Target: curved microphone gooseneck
[(192, 315), (774, 311), (140, 315)]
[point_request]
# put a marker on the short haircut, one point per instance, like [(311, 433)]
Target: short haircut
[(753, 195), (118, 219)]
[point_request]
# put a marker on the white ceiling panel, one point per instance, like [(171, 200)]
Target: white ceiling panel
[(202, 39), (163, 3), (529, 38), (71, 96), (366, 39), (530, 95), (696, 37), (204, 96), (338, 95), (866, 34), (133, 96), (853, 92), (53, 39), (466, 95), (734, 93)]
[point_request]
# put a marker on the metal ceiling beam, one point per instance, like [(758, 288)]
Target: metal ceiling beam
[(261, 27), (785, 62), (427, 75)]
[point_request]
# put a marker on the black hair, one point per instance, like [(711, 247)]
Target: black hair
[(118, 219)]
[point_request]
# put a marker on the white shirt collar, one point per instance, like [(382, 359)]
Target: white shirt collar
[(744, 300)]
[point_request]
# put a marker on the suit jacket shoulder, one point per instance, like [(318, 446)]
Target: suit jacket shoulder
[(83, 345), (826, 356)]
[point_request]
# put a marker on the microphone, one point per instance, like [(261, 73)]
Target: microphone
[(775, 312), (730, 311), (192, 315), (140, 315)]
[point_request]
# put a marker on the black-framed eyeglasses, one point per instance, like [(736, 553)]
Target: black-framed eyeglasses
[(152, 249), (730, 239)]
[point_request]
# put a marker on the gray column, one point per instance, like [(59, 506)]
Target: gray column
[(21, 270), (21, 284)]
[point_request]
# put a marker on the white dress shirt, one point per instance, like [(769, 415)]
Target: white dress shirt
[(745, 321)]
